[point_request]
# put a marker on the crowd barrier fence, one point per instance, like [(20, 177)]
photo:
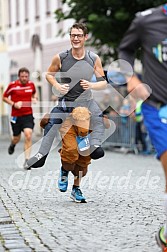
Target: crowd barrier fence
[(124, 134)]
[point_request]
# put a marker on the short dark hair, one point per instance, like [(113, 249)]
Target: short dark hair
[(23, 69), (81, 26)]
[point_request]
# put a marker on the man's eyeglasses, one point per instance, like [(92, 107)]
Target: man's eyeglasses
[(76, 35)]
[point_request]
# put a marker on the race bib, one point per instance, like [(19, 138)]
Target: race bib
[(13, 119), (163, 114)]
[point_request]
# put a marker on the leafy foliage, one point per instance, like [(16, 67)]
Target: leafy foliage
[(106, 20)]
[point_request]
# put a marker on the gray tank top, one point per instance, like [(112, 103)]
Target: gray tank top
[(72, 70)]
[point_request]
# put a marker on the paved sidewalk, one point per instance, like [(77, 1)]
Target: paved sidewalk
[(123, 213)]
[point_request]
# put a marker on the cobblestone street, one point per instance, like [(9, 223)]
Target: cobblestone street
[(124, 206)]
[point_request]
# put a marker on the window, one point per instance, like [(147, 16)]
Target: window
[(26, 36), (48, 31), (18, 38), (26, 10), (36, 9), (13, 77), (17, 12), (47, 7), (13, 64), (10, 39), (0, 15), (9, 13)]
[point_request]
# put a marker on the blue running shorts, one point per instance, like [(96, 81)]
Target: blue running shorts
[(156, 128)]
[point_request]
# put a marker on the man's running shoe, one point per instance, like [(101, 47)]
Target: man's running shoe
[(77, 195), (36, 161), (83, 143), (96, 152), (11, 149), (63, 180), (161, 241)]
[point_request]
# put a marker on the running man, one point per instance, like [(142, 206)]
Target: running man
[(19, 95), (76, 67), (148, 32)]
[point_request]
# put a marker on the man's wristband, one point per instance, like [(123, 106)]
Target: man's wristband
[(13, 104)]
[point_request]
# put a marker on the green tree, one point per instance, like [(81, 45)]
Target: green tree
[(107, 20)]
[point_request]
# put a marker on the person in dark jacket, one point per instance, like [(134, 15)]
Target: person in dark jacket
[(148, 31)]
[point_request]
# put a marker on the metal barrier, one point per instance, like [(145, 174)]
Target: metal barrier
[(124, 134)]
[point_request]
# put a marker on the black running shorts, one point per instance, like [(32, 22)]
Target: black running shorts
[(21, 123)]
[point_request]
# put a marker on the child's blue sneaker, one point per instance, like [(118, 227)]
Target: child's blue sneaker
[(77, 195), (83, 143), (63, 180)]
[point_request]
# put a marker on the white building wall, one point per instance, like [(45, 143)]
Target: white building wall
[(46, 27), (19, 38), (4, 67)]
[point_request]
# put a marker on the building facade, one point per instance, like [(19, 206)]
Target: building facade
[(4, 63), (30, 31)]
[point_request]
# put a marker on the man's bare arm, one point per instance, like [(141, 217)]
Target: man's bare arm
[(50, 75), (8, 101), (133, 83), (99, 85), (17, 104)]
